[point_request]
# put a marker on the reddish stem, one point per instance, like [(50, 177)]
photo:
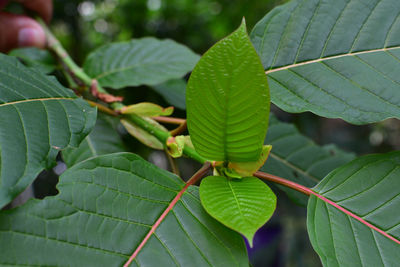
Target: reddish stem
[(282, 181), (197, 176), (180, 129), (170, 120), (308, 191)]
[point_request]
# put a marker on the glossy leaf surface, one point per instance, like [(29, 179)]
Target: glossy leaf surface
[(105, 208), (146, 61), (297, 158), (228, 101), (38, 118), (243, 205), (104, 139), (337, 59), (367, 188)]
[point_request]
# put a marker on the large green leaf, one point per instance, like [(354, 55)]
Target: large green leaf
[(173, 91), (227, 101), (297, 158), (337, 59), (105, 208), (141, 61), (243, 205), (104, 139), (353, 220), (38, 117)]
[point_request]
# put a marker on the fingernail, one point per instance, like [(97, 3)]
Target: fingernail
[(29, 37)]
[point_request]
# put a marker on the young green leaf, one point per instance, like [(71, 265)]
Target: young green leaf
[(353, 219), (248, 168), (337, 59), (147, 109), (106, 207), (243, 205), (142, 135), (228, 101), (38, 118), (145, 61)]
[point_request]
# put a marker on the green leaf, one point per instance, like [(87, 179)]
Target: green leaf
[(146, 61), (248, 168), (38, 118), (243, 205), (142, 135), (104, 139), (298, 159), (147, 109), (38, 59), (354, 218), (337, 59), (173, 91), (105, 208), (228, 101)]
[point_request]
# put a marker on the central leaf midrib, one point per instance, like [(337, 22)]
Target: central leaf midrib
[(36, 100), (276, 69)]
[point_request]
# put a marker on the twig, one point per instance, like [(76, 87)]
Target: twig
[(282, 181), (170, 120), (180, 129), (172, 163), (103, 108)]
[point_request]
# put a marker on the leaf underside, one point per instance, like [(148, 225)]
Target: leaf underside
[(337, 59), (227, 101), (103, 139), (299, 159), (369, 188), (145, 61), (243, 205), (38, 117), (105, 208)]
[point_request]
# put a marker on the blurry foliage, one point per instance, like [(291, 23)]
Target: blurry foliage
[(197, 24)]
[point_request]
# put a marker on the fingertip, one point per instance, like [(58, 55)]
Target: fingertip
[(31, 36), (20, 31)]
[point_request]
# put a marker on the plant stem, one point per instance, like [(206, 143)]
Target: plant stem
[(73, 69), (278, 180), (180, 129), (103, 108), (55, 46), (170, 120)]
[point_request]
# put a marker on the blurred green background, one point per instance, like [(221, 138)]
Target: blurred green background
[(83, 26)]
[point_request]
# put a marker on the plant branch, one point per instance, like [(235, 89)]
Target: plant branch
[(278, 180), (103, 108), (170, 120), (172, 163), (196, 177), (180, 129)]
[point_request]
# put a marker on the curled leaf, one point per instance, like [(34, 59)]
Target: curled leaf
[(142, 135), (248, 168), (147, 109)]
